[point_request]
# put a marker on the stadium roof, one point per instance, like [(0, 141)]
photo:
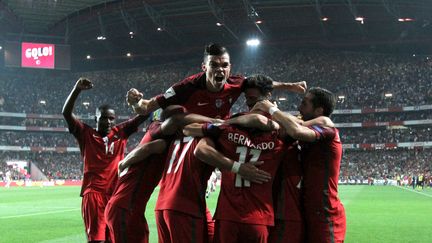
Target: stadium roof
[(185, 26)]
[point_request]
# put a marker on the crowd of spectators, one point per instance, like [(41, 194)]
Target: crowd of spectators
[(362, 79), (385, 164), (383, 135)]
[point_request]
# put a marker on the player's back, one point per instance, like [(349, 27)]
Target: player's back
[(184, 180), (241, 200)]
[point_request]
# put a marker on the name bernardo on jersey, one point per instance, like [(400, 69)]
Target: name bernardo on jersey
[(243, 140)]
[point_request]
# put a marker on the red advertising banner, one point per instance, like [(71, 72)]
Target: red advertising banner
[(37, 55)]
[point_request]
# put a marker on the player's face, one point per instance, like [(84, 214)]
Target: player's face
[(306, 107), (217, 69), (105, 121), (252, 96)]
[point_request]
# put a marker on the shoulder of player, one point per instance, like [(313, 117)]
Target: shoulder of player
[(194, 80), (236, 79)]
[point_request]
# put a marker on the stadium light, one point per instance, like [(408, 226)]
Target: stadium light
[(159, 29), (253, 42), (324, 19), (405, 19), (42, 102), (360, 19), (341, 97), (258, 22), (101, 37), (128, 54), (282, 98), (388, 95), (88, 57), (86, 103), (1, 47), (218, 24), (131, 33)]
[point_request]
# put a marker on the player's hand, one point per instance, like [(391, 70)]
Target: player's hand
[(299, 87), (133, 96), (120, 167), (250, 172), (264, 106), (83, 84)]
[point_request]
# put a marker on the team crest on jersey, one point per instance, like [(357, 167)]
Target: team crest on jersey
[(169, 93), (218, 103)]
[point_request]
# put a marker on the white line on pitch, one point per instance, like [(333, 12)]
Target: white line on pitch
[(421, 193), (42, 213)]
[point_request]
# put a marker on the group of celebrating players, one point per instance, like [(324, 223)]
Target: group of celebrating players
[(279, 173)]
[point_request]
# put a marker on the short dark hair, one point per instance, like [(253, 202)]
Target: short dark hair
[(261, 82), (105, 107), (214, 49), (323, 98)]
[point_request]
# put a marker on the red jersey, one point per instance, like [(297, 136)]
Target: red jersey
[(194, 96), (287, 190), (321, 163), (135, 187), (184, 180), (102, 154), (240, 200)]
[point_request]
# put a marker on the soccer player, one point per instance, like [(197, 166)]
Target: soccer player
[(289, 224), (101, 148), (8, 178), (245, 207), (210, 93), (321, 153), (125, 210)]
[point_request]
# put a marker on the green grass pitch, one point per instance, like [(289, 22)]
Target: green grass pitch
[(374, 214)]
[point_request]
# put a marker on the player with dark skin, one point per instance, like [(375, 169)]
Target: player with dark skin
[(101, 148)]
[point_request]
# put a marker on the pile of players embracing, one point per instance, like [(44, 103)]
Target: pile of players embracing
[(279, 173)]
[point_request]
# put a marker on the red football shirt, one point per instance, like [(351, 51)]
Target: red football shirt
[(240, 200), (288, 206), (184, 180), (135, 187), (194, 96), (101, 154), (321, 163)]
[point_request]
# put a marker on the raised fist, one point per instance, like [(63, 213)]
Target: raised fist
[(133, 96), (83, 84)]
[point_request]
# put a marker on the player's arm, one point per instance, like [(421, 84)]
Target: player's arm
[(130, 126), (141, 153), (206, 152), (67, 111), (180, 121), (288, 122), (322, 121), (297, 87), (141, 106), (193, 130), (254, 120)]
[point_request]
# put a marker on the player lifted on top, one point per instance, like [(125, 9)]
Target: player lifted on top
[(210, 93), (101, 148)]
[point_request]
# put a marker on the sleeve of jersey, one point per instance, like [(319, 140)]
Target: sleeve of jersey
[(153, 132), (77, 127), (212, 130), (323, 133), (176, 94), (240, 81), (130, 126)]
